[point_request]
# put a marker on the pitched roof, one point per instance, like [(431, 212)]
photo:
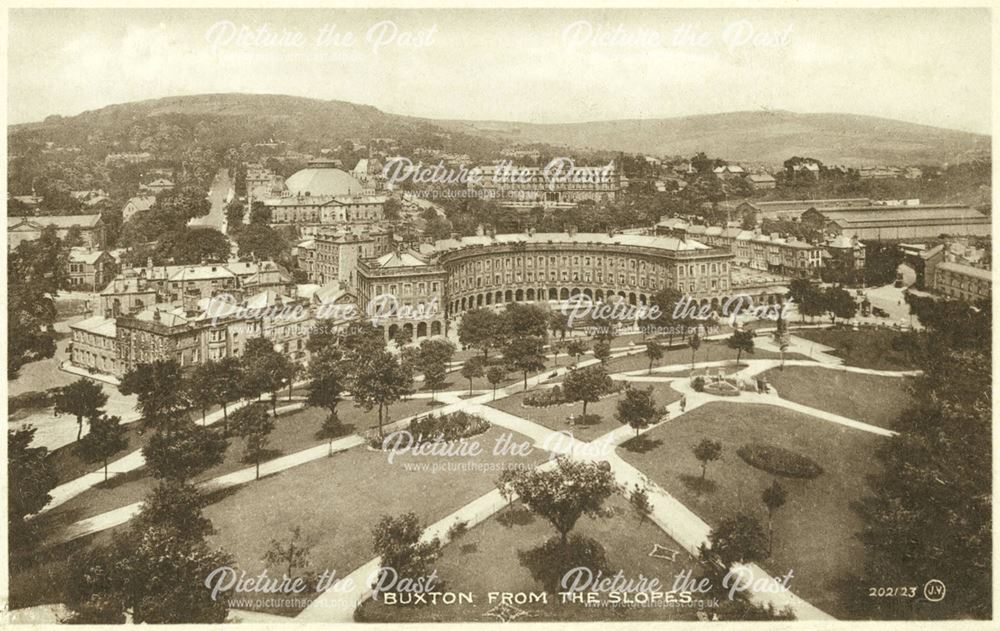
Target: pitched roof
[(98, 325), (83, 255), (909, 215), (966, 270), (61, 221)]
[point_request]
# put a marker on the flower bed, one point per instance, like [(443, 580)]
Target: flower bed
[(779, 461), (447, 427), (722, 389)]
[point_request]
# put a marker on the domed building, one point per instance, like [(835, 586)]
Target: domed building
[(322, 178)]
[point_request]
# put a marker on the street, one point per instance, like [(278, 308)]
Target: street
[(218, 194)]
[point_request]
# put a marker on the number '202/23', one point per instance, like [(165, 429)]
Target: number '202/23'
[(884, 592)]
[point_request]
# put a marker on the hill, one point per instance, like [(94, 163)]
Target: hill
[(767, 137)]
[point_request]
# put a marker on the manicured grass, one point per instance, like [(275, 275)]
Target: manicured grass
[(336, 501), (868, 398), (555, 417), (70, 463), (293, 432), (487, 559), (814, 533), (866, 348)]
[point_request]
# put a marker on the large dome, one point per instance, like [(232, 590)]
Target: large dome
[(319, 179)]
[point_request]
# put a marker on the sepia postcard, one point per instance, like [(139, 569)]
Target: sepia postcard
[(485, 314)]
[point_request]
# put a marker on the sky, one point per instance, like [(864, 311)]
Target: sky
[(929, 66)]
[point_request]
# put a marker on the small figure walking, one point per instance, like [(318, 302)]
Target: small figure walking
[(684, 401)]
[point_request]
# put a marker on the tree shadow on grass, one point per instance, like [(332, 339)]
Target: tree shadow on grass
[(641, 444), (515, 516), (697, 484), (585, 421), (549, 562), (265, 455), (115, 481)]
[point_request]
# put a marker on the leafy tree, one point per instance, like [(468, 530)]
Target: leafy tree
[(666, 302), (738, 539), (190, 246), (380, 381), (83, 399), (637, 408), (398, 541), (31, 315), (201, 385), (558, 323), (741, 341), (161, 401), (695, 344), (225, 381), (184, 452), (527, 320), (432, 360), (292, 553), (602, 350), (176, 506), (472, 369), (587, 385), (839, 303), (30, 477), (327, 378), (495, 375), (576, 348), (562, 495), (525, 354), (105, 439), (639, 499), (260, 241), (774, 497), (707, 451), (266, 369), (482, 329), (129, 576), (654, 352), (253, 424)]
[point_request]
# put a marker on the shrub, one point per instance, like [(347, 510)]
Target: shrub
[(448, 427), (457, 529), (698, 383), (545, 398), (779, 461)]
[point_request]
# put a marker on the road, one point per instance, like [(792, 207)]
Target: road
[(219, 194)]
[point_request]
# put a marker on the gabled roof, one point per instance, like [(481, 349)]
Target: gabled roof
[(98, 325), (59, 221), (394, 259), (83, 255)]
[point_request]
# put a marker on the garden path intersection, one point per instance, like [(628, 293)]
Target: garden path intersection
[(667, 512)]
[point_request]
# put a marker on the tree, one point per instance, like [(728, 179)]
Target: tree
[(260, 241), (738, 539), (176, 506), (666, 302), (741, 341), (326, 385), (707, 451), (105, 439), (129, 576), (639, 499), (31, 314), (160, 401), (432, 360), (83, 399), (695, 344), (527, 320), (190, 246), (602, 350), (637, 408), (398, 541), (201, 385), (472, 369), (576, 348), (266, 369), (183, 452), (482, 329), (495, 375), (839, 303), (226, 382), (525, 354), (380, 381), (558, 323), (562, 495), (654, 352), (292, 553), (774, 498), (253, 424), (587, 385), (30, 477)]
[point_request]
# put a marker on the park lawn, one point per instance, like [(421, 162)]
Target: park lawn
[(865, 348), (815, 532), (869, 398), (555, 417), (337, 501), (487, 559), (69, 461), (293, 432)]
